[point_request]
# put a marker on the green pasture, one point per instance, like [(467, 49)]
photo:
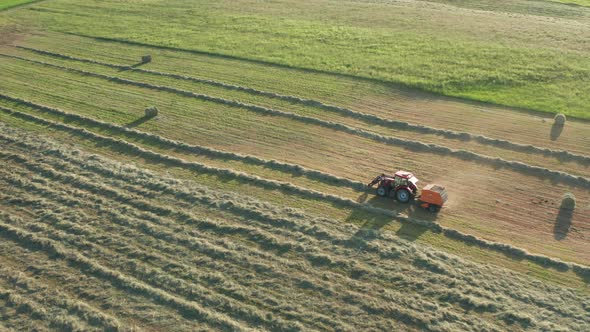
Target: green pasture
[(494, 54)]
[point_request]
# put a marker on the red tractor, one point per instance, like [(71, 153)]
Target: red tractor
[(402, 186)]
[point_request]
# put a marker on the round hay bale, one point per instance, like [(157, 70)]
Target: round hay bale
[(559, 119), (151, 111), (146, 58), (568, 201)]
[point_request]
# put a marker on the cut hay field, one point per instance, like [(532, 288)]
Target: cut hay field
[(243, 204)]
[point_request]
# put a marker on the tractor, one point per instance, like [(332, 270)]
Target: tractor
[(402, 186)]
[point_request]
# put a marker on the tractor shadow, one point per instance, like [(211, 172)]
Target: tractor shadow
[(377, 221), (556, 130), (563, 222)]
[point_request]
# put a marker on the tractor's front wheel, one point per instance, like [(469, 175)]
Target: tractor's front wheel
[(382, 191), (403, 195)]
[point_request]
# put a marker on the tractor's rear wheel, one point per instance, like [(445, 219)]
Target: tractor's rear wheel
[(382, 191), (403, 195)]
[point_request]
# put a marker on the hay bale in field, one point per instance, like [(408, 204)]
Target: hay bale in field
[(559, 119), (151, 112), (568, 201), (558, 125), (146, 58), (565, 217)]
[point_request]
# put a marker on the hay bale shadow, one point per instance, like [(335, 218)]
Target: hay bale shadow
[(563, 222), (139, 64), (556, 130), (139, 121)]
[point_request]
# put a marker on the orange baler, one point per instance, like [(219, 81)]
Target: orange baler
[(433, 197)]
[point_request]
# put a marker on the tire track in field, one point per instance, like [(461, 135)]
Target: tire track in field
[(415, 146), (272, 184), (452, 297), (561, 155)]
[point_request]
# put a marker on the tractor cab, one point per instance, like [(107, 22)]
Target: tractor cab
[(407, 179)]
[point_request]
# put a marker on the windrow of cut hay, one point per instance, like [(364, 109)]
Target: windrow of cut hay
[(224, 255), (400, 313), (35, 310), (255, 235), (273, 164), (561, 155), (35, 242), (270, 184), (417, 146), (424, 261), (199, 167), (392, 311), (377, 242), (73, 232), (32, 288)]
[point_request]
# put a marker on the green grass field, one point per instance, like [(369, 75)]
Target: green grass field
[(5, 4), (243, 205), (493, 56)]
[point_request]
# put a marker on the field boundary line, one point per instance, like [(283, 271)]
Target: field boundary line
[(416, 146), (561, 155), (507, 249)]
